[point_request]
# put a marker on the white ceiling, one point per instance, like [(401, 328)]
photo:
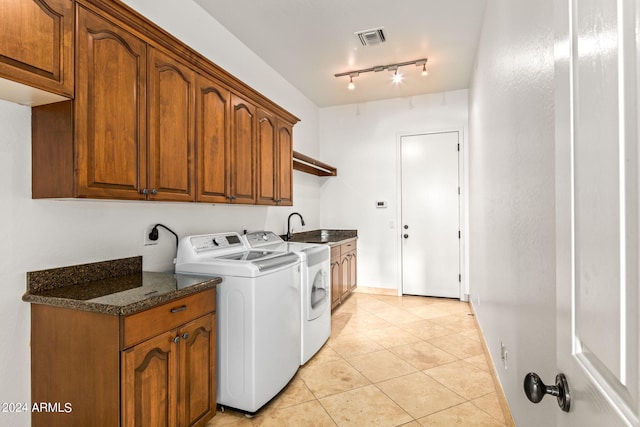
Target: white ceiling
[(308, 41)]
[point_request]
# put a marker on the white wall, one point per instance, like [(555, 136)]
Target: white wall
[(512, 209), (41, 234), (360, 140)]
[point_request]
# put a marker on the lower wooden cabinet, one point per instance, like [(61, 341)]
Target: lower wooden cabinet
[(173, 372), (343, 272), (122, 371)]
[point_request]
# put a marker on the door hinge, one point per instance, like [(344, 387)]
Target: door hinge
[(458, 147), (460, 278), (459, 234), (458, 191)]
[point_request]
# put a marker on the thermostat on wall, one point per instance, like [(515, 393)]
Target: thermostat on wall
[(381, 204)]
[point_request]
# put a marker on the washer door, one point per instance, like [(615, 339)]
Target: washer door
[(319, 295)]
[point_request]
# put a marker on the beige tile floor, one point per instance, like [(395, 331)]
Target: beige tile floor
[(390, 361)]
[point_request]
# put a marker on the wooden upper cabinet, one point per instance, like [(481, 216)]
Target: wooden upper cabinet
[(285, 164), (171, 129), (151, 119), (36, 44), (267, 158), (243, 151), (275, 164), (212, 141), (110, 110)]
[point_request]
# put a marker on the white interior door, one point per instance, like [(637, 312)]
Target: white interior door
[(430, 215), (597, 206)]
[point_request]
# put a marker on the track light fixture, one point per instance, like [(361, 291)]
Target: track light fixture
[(397, 77)]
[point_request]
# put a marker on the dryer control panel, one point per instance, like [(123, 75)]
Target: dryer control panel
[(262, 238)]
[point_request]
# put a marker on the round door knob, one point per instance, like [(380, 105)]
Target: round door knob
[(144, 191), (176, 339), (406, 227), (185, 336), (535, 390), (154, 191), (406, 236)]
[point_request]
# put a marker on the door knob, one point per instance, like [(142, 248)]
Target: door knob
[(406, 236), (535, 390)]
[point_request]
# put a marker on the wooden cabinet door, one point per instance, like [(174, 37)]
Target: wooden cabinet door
[(336, 282), (36, 43), (243, 151), (212, 141), (353, 270), (285, 164), (197, 371), (110, 110), (344, 272), (149, 383), (171, 129), (267, 159)]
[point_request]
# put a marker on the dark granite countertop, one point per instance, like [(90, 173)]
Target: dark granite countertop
[(117, 287), (327, 236)]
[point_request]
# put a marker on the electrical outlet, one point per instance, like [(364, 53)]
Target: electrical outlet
[(147, 241), (504, 354)]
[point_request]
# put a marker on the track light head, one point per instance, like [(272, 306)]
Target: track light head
[(397, 78)]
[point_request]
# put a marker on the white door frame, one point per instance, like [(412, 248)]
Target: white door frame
[(463, 211)]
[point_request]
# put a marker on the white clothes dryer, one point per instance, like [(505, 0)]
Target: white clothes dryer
[(315, 302), (258, 315)]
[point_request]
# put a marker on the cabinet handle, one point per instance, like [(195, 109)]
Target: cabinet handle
[(176, 340), (185, 336), (144, 191), (154, 191), (179, 309)]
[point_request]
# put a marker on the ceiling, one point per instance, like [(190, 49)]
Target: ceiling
[(308, 41)]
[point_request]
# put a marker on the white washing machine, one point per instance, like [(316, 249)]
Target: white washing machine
[(258, 315), (315, 302)]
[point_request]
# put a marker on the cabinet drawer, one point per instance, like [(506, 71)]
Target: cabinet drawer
[(149, 323), (348, 247)]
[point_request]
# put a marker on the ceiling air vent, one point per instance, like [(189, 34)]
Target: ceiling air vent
[(371, 37)]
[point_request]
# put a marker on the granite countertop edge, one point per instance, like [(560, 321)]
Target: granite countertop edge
[(341, 242), (124, 310), (335, 237), (109, 287)]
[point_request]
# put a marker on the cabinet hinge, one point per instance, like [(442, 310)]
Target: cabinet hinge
[(460, 278), (458, 147), (459, 234), (458, 191)]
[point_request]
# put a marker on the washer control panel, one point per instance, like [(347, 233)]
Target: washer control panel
[(216, 241)]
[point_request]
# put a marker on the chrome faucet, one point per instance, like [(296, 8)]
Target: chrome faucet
[(289, 234)]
